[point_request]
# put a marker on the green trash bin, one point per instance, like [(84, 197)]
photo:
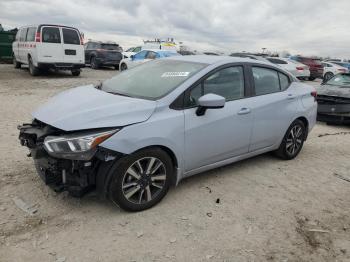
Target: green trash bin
[(6, 39)]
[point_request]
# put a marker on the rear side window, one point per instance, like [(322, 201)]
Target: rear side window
[(22, 36), (266, 81), (70, 36), (284, 81), (31, 34), (51, 35)]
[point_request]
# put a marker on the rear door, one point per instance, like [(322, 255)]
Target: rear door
[(21, 46), (73, 49), (50, 50), (15, 46), (274, 106)]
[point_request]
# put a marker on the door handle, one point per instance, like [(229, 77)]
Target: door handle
[(244, 111), (290, 96)]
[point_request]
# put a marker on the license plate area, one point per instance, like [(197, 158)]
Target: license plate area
[(70, 52)]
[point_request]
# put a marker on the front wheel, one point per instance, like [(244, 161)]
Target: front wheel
[(33, 70), (16, 64), (139, 181), (93, 63), (327, 76), (123, 67), (293, 141)]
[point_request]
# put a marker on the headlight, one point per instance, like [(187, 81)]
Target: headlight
[(78, 146)]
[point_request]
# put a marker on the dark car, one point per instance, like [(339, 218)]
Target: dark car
[(316, 68), (99, 54), (334, 100)]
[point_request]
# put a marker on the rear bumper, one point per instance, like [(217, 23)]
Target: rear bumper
[(61, 66), (336, 113)]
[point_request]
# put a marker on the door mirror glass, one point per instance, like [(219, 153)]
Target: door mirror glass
[(209, 101)]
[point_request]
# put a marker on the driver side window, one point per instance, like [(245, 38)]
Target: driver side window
[(140, 55), (227, 82)]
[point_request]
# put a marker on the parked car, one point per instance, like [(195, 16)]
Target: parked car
[(334, 100), (145, 56), (297, 69), (99, 54), (315, 66), (131, 51), (133, 136), (331, 69), (49, 46), (343, 64)]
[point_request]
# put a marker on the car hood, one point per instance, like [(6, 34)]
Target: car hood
[(331, 90), (86, 107)]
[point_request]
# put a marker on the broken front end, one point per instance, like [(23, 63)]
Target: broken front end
[(71, 161), (333, 109)]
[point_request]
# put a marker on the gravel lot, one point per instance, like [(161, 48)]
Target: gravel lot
[(268, 210)]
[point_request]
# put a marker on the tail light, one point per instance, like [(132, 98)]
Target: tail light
[(314, 94), (37, 37), (342, 70), (300, 68)]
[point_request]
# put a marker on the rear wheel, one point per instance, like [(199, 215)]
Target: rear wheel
[(93, 63), (141, 180), (123, 67), (33, 70), (15, 63), (327, 76), (311, 78), (293, 141), (75, 72)]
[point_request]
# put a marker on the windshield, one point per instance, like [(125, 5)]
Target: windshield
[(151, 80), (340, 80)]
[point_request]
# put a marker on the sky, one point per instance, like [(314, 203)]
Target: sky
[(307, 27)]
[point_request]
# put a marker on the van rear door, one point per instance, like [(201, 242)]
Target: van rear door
[(73, 49), (50, 50)]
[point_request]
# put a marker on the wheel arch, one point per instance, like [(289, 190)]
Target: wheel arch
[(305, 122)]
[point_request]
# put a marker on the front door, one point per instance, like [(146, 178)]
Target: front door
[(220, 133)]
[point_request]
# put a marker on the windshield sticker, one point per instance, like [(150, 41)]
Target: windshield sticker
[(175, 74)]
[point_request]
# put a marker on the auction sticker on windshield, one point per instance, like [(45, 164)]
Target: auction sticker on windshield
[(174, 74)]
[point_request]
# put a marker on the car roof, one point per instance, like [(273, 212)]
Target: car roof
[(213, 59)]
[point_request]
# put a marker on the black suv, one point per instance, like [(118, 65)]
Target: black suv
[(99, 54)]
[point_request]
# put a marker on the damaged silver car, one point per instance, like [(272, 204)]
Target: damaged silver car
[(133, 136), (334, 100)]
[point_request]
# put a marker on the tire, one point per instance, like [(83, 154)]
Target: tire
[(327, 76), (33, 70), (15, 63), (135, 189), (123, 67), (293, 141), (93, 63), (311, 78), (76, 72)]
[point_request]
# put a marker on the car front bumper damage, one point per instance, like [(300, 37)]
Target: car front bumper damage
[(75, 176)]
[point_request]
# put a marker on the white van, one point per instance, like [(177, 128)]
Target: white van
[(49, 46)]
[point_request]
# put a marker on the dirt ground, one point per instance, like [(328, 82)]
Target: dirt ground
[(261, 209)]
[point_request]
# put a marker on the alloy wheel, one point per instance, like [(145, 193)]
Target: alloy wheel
[(144, 180), (294, 139)]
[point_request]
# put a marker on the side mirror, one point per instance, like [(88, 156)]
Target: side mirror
[(132, 57), (209, 101)]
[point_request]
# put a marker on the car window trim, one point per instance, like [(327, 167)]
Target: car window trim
[(176, 105)]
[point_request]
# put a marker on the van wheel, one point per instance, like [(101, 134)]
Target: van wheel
[(75, 72), (15, 63), (140, 180), (93, 63), (123, 67), (293, 141), (33, 70)]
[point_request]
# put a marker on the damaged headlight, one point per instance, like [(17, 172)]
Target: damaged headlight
[(78, 146)]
